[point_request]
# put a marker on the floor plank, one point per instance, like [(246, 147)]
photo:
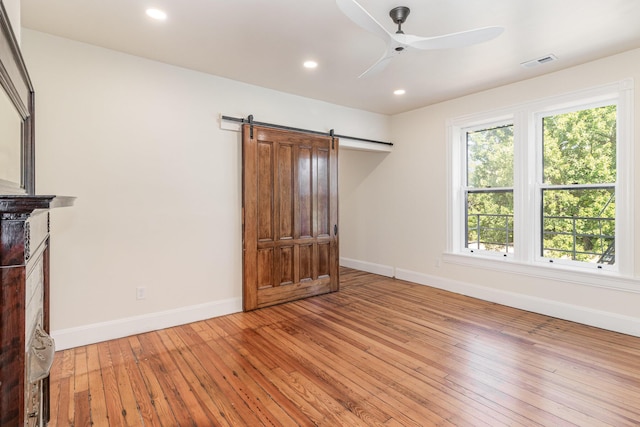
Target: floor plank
[(381, 352)]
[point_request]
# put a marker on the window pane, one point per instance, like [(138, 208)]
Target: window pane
[(490, 221), (490, 157), (580, 147), (579, 224)]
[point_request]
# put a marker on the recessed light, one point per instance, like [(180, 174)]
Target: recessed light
[(158, 14), (310, 64), (399, 92)]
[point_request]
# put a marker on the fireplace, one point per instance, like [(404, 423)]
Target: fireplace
[(39, 357), (39, 346), (26, 350)]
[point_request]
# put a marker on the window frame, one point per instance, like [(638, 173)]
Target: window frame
[(540, 186), (464, 181), (527, 183)]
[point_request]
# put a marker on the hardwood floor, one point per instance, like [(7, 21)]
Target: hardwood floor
[(380, 352)]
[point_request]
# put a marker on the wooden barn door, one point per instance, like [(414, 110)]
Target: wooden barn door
[(290, 216)]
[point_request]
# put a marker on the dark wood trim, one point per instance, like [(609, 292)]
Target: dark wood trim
[(46, 383), (13, 276), (24, 240), (12, 355), (29, 203)]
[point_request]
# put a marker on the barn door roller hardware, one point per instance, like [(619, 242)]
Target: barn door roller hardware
[(331, 133)]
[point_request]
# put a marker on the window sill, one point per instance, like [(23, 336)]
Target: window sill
[(563, 273)]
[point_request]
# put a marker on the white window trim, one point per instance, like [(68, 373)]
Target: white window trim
[(501, 121), (621, 210), (526, 261)]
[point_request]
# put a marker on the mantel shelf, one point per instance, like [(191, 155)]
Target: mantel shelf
[(27, 203)]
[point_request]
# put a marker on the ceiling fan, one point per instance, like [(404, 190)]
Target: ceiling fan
[(400, 42)]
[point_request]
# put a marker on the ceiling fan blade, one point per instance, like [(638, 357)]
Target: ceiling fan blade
[(362, 18), (379, 65), (454, 40)]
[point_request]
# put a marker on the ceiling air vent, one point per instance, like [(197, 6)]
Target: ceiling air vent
[(539, 61)]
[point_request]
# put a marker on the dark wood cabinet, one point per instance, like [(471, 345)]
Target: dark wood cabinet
[(25, 349)]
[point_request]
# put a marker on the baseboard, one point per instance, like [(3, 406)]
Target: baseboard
[(600, 319), (369, 267), (97, 332)]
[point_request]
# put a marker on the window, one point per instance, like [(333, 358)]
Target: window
[(547, 183), (578, 185), (489, 189)]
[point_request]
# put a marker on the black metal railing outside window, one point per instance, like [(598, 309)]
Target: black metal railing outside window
[(490, 232), (598, 247), (494, 232)]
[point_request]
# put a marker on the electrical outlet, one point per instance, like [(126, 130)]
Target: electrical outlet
[(438, 262), (141, 292)]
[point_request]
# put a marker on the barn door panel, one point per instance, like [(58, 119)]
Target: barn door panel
[(290, 214)]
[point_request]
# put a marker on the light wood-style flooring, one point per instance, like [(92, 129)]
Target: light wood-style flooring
[(381, 352)]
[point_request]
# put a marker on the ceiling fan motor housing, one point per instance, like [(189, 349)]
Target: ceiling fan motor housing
[(399, 14)]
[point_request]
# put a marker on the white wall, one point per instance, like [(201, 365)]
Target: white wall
[(401, 198), (158, 184)]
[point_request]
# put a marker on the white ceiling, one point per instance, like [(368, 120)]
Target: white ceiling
[(264, 42)]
